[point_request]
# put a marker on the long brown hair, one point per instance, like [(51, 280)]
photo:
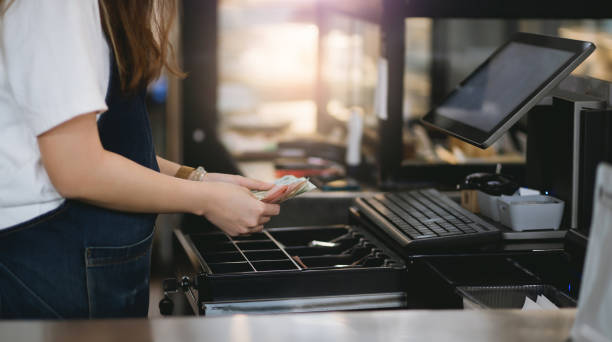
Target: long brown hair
[(138, 31), (4, 5)]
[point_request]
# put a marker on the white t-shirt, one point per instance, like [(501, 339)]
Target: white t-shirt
[(54, 66)]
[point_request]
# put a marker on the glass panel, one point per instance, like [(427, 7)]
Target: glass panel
[(271, 53), (351, 49), (268, 54)]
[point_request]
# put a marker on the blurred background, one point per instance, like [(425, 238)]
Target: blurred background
[(267, 72), (273, 84)]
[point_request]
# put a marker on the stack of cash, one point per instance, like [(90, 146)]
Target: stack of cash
[(285, 188)]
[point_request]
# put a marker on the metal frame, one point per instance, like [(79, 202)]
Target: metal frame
[(390, 149), (501, 9)]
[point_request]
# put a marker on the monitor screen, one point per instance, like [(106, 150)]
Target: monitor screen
[(506, 86)]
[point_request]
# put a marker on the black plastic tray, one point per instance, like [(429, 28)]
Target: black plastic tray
[(283, 263)]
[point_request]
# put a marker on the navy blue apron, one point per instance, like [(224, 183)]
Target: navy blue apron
[(79, 260)]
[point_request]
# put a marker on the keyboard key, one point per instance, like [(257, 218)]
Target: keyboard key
[(424, 236), (412, 232), (477, 227), (449, 233)]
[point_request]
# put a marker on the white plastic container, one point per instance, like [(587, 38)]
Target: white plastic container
[(487, 204), (530, 212)]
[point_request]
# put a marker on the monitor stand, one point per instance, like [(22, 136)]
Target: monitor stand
[(568, 135)]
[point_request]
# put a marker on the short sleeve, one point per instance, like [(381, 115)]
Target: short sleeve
[(57, 60)]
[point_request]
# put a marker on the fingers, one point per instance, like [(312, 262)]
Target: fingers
[(247, 231), (264, 219), (254, 184), (271, 209), (249, 183)]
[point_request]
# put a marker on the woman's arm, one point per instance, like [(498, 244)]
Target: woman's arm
[(80, 168), (170, 168), (167, 167)]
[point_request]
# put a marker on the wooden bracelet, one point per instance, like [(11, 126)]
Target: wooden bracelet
[(184, 172)]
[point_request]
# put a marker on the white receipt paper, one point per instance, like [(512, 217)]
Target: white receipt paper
[(541, 303)]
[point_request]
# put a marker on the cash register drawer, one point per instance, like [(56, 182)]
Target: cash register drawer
[(290, 269)]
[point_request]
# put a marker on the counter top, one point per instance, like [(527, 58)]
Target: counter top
[(405, 325)]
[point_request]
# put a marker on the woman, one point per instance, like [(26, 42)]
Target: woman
[(79, 180)]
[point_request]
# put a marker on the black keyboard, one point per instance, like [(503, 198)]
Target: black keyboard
[(423, 219)]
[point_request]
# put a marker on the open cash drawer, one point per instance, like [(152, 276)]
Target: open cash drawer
[(297, 269)]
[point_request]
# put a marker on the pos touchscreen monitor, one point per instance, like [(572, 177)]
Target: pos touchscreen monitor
[(506, 86)]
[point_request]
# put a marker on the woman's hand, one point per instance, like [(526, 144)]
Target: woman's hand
[(234, 209), (249, 183)]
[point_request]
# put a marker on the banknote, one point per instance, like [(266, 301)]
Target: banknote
[(285, 188)]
